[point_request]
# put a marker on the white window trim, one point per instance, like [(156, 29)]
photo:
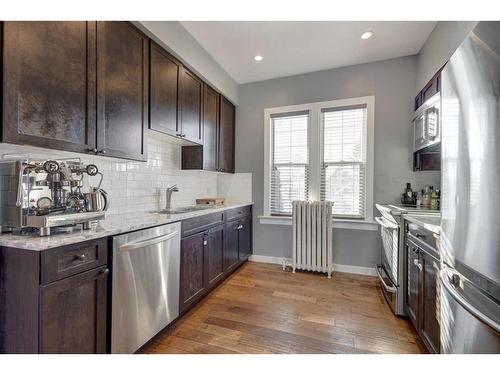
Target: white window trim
[(315, 158)]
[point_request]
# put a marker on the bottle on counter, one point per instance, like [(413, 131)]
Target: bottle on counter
[(408, 191), (426, 197), (418, 203), (435, 199)]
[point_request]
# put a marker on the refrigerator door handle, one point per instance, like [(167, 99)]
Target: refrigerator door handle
[(448, 279)]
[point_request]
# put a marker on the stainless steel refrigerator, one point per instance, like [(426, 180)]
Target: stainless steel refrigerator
[(470, 202)]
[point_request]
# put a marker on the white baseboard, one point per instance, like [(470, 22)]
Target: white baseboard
[(265, 259), (336, 267)]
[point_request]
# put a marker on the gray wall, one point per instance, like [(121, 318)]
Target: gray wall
[(173, 36), (443, 41), (392, 82)]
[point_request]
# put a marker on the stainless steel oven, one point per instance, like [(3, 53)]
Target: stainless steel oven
[(388, 269), (391, 268), (427, 124)]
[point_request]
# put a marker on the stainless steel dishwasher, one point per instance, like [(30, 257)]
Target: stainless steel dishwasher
[(145, 295)]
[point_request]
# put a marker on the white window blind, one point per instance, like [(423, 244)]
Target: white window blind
[(343, 131), (289, 160)]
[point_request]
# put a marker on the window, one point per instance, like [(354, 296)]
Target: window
[(289, 171), (343, 134), (320, 151)]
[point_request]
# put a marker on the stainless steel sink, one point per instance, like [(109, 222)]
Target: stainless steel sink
[(182, 210)]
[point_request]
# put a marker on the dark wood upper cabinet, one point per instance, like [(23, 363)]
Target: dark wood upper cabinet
[(164, 90), (226, 135), (190, 107), (122, 90), (210, 128), (73, 314), (430, 89), (49, 84), (205, 156)]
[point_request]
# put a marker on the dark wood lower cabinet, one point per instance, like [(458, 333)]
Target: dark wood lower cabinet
[(56, 300), (429, 325), (73, 314), (214, 255), (211, 254), (67, 313), (192, 281), (245, 237), (413, 284), (421, 295), (231, 256)]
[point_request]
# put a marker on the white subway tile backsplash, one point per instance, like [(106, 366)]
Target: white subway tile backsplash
[(140, 186)]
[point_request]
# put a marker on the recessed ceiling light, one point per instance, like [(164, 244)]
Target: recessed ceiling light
[(258, 58), (367, 35)]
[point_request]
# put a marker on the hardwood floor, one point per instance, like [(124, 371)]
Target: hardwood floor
[(261, 309)]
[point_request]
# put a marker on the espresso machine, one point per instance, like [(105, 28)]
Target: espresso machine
[(45, 194)]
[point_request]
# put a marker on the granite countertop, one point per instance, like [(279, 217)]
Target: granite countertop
[(430, 222), (105, 228)]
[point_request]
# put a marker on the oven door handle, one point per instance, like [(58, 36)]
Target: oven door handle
[(385, 223), (390, 289)]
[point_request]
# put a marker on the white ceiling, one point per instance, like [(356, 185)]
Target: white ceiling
[(291, 48)]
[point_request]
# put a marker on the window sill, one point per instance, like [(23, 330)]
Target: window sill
[(337, 223)]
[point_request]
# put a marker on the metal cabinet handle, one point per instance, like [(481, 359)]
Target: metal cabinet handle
[(419, 265), (101, 152), (239, 227), (80, 257), (92, 150), (105, 271)]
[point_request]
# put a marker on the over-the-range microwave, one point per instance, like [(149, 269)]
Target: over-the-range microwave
[(427, 125)]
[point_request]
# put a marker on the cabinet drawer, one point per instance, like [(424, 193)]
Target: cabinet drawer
[(201, 223), (69, 260), (238, 212)]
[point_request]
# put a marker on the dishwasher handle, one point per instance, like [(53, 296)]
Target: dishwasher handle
[(147, 242)]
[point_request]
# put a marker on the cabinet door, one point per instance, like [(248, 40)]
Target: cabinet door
[(429, 325), (226, 136), (164, 84), (245, 238), (192, 270), (432, 87), (49, 84), (413, 287), (73, 314), (191, 95), (122, 90), (210, 128), (214, 261), (231, 256)]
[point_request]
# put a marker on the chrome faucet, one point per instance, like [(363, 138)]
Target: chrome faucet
[(170, 190)]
